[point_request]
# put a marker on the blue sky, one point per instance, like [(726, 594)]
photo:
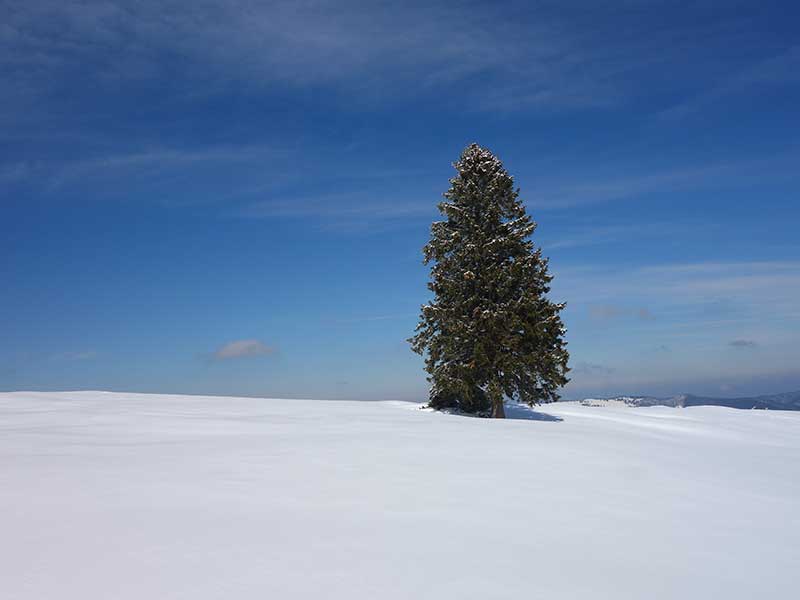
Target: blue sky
[(231, 197)]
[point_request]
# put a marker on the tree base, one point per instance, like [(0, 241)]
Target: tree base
[(498, 410)]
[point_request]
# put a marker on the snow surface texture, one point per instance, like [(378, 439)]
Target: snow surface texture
[(128, 496)]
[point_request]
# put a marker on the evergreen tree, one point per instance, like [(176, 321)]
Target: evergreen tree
[(490, 331)]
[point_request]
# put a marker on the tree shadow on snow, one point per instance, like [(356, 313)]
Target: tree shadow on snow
[(519, 412), (526, 413)]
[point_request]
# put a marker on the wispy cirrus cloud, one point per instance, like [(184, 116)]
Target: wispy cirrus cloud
[(152, 163), (582, 190), (14, 172), (502, 56), (346, 45), (777, 70), (579, 236), (340, 211), (170, 175), (690, 345), (584, 368), (465, 56), (698, 306), (242, 349), (607, 312), (592, 236), (774, 283), (371, 318)]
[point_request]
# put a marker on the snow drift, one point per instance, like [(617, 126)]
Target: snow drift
[(130, 496)]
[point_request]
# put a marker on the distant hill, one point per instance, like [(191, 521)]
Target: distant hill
[(786, 401)]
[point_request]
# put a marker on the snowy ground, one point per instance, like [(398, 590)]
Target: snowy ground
[(124, 496)]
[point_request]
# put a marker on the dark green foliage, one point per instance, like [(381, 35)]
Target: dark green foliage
[(469, 398), (490, 331)]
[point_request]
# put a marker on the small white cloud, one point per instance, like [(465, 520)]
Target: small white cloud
[(241, 349), (743, 344), (605, 312), (644, 314)]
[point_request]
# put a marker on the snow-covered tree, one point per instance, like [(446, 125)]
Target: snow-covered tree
[(490, 331)]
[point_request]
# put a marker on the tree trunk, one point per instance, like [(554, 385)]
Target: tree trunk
[(498, 410), (496, 396)]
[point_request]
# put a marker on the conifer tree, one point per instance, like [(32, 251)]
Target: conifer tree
[(490, 331)]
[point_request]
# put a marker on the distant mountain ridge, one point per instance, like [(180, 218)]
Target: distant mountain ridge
[(785, 401)]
